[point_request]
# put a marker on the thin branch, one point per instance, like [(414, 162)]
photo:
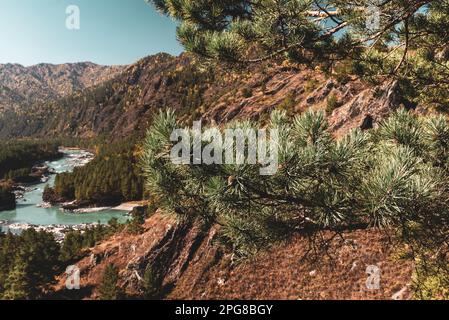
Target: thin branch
[(404, 56)]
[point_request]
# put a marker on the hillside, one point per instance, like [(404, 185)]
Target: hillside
[(190, 262), (191, 265), (126, 103), (23, 90)]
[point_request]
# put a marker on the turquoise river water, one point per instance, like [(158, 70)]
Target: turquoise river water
[(27, 211)]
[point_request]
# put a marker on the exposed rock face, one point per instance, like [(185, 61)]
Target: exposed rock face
[(166, 246), (127, 103), (366, 109), (192, 266)]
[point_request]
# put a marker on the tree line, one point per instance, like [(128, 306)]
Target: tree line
[(29, 262), (111, 178), (18, 156)]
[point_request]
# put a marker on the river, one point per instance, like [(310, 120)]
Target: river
[(28, 213)]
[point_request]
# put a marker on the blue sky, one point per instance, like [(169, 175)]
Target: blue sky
[(111, 32)]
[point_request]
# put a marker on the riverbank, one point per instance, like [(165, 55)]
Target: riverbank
[(32, 212), (58, 231), (127, 206), (81, 207), (130, 206)]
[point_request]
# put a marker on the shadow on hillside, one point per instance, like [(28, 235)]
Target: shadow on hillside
[(71, 294)]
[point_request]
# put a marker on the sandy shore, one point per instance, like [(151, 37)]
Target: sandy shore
[(129, 206)]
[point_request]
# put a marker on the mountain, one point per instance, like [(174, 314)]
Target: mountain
[(47, 81), (119, 101), (190, 265), (22, 86)]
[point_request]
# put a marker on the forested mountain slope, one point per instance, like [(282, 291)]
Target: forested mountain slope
[(126, 103), (23, 90), (47, 81)]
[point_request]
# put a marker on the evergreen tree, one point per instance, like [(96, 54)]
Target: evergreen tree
[(109, 289), (394, 178), (18, 285), (72, 245), (28, 263), (409, 42), (151, 284), (7, 198)]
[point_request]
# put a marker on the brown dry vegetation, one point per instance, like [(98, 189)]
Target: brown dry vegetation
[(194, 266)]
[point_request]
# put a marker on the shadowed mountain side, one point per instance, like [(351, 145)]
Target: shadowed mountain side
[(126, 103), (192, 266)]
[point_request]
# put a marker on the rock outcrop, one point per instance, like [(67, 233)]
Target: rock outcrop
[(191, 265), (126, 104)]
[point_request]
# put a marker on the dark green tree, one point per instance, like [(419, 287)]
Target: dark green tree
[(405, 40), (7, 198), (109, 289), (393, 178), (151, 284), (18, 285), (29, 263), (72, 245)]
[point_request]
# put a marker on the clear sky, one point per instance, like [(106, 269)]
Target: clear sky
[(111, 32)]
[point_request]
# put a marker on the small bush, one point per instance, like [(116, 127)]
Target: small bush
[(109, 289), (247, 92), (311, 85), (332, 103), (288, 104), (151, 284)]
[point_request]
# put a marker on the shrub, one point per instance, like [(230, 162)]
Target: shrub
[(288, 104), (311, 85), (151, 284), (332, 103), (247, 92), (109, 289)]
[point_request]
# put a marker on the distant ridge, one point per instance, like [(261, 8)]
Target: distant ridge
[(39, 83)]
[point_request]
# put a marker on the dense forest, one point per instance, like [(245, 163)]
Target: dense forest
[(30, 261), (18, 156), (7, 197), (111, 178), (27, 263)]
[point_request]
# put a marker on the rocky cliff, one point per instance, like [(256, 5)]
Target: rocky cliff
[(191, 265), (121, 101)]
